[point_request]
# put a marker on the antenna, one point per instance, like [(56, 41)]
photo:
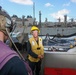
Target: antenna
[(34, 13), (39, 18)]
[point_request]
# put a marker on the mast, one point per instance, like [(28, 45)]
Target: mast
[(34, 13), (39, 18)]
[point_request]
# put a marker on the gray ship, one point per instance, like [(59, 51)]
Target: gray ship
[(59, 28), (63, 29)]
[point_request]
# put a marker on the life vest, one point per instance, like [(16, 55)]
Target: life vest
[(6, 54), (37, 48)]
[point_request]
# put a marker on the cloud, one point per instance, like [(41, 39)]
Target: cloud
[(60, 14), (25, 2), (67, 4), (48, 4), (73, 1)]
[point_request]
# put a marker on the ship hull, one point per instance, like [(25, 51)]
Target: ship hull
[(67, 31), (59, 60)]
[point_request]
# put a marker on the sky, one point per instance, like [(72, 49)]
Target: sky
[(50, 9)]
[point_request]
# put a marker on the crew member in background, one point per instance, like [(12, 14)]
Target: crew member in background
[(35, 51), (10, 62)]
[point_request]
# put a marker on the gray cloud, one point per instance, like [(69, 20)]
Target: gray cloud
[(73, 1), (24, 2), (60, 14), (48, 4)]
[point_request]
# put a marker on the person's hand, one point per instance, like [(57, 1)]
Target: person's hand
[(40, 56)]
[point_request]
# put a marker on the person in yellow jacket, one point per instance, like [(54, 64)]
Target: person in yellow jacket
[(35, 51)]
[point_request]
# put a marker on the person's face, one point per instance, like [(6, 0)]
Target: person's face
[(35, 33)]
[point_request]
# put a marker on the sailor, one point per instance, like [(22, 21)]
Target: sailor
[(35, 51), (46, 40), (10, 62)]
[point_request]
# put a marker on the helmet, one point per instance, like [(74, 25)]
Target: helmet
[(5, 21), (35, 28)]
